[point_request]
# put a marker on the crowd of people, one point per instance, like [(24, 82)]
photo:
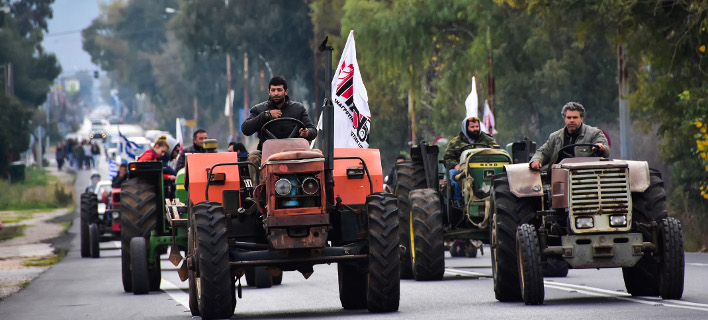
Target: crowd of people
[(77, 154)]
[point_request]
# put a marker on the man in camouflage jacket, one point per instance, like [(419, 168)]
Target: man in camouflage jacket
[(469, 134), (574, 132)]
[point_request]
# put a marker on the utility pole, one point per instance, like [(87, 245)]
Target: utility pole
[(625, 123), (490, 75), (411, 115)]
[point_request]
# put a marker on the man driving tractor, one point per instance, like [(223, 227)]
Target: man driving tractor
[(574, 132)]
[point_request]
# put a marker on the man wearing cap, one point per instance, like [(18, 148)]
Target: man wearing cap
[(574, 132), (469, 134)]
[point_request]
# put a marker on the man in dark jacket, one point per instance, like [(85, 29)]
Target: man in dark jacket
[(277, 106), (470, 134), (198, 138)]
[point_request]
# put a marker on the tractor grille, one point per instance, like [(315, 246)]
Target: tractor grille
[(599, 191)]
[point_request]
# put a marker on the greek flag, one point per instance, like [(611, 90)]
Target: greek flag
[(128, 149), (112, 169)]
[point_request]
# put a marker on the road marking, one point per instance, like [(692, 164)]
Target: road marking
[(599, 292), (466, 273), (698, 264), (175, 292)]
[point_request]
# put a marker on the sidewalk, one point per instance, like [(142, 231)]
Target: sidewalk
[(39, 230)]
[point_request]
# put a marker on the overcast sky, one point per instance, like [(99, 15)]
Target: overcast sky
[(64, 36)]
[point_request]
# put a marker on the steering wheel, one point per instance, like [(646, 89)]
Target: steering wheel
[(294, 134), (474, 145), (567, 154)]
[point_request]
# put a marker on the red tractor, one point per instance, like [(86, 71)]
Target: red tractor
[(307, 207)]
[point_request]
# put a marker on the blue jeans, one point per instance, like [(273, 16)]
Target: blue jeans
[(456, 187)]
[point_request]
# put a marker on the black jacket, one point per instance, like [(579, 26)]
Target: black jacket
[(182, 158), (291, 109)]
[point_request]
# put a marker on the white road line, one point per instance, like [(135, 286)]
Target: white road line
[(466, 273), (175, 292), (698, 264), (599, 292)]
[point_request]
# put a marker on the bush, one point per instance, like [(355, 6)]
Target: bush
[(690, 210), (38, 191)]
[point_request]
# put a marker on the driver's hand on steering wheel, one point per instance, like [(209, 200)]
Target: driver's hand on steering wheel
[(304, 132), (275, 114), (536, 165), (599, 147)]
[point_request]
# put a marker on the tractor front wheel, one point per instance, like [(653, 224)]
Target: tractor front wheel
[(352, 284), (409, 176), (672, 265), (139, 263), (94, 237), (138, 217), (529, 261), (383, 290)]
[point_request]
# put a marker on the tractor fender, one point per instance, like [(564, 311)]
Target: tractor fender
[(638, 175), (523, 181)]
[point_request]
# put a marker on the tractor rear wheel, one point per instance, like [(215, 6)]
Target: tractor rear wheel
[(643, 279), (458, 247), (138, 217), (139, 264), (409, 176), (383, 290), (352, 284), (508, 212), (529, 261), (94, 237), (214, 278), (672, 265), (555, 267), (427, 245)]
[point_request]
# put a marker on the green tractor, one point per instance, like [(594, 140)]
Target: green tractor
[(151, 223), (425, 204)]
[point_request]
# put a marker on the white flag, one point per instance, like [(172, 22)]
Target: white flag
[(488, 126), (352, 117), (229, 103), (471, 103), (178, 134)]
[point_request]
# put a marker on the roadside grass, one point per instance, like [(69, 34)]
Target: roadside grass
[(45, 261), (10, 232), (39, 191), (65, 227)]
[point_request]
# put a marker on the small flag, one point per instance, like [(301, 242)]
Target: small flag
[(112, 169), (229, 103), (178, 134), (129, 150), (471, 103), (488, 122)]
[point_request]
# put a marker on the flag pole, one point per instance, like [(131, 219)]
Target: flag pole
[(328, 123)]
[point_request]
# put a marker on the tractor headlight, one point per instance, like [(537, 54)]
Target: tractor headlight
[(116, 215), (283, 187), (310, 185), (618, 221), (584, 222)]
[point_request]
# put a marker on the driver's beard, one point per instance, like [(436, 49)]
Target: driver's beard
[(275, 102), (474, 135)]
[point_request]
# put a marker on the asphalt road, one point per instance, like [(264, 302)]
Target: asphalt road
[(89, 288)]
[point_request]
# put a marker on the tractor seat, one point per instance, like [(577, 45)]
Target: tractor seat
[(287, 149)]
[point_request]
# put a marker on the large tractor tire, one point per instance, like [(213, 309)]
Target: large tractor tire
[(457, 248), (139, 265), (138, 218), (555, 267), (644, 278), (427, 245), (409, 176), (214, 278), (94, 240), (352, 284), (672, 265), (89, 215), (155, 273), (278, 279), (508, 213), (383, 290), (530, 267)]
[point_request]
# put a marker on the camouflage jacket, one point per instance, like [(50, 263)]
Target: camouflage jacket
[(548, 152), (454, 148)]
